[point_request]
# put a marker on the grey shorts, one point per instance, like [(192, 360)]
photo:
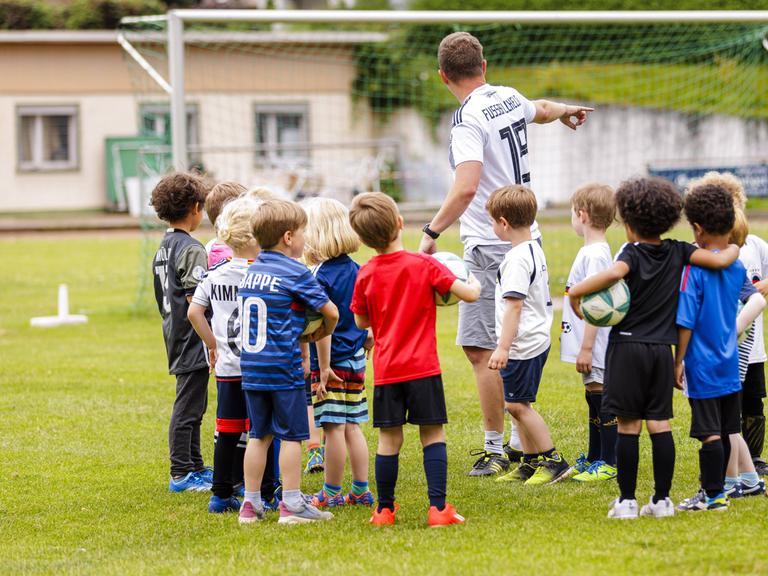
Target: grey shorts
[(596, 376), (477, 320)]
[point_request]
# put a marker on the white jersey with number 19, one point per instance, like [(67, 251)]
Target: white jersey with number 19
[(490, 127)]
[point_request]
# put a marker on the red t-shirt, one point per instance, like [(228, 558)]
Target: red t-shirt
[(396, 292)]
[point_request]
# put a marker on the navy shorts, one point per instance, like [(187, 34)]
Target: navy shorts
[(522, 377), (231, 415), (281, 413)]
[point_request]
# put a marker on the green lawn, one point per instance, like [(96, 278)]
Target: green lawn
[(83, 444)]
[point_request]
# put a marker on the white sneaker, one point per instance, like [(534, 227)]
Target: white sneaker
[(623, 510), (660, 509)]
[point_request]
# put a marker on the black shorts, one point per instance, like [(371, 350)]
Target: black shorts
[(420, 402), (231, 414), (754, 381), (522, 378), (715, 416), (639, 379)]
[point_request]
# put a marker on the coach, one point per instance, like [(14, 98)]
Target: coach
[(488, 149)]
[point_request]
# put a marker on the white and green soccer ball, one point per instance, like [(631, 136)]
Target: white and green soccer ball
[(606, 307), (459, 268)]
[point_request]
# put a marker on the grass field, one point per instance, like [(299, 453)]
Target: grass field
[(83, 440)]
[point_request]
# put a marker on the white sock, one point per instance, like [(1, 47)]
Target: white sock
[(254, 498), (293, 499), (494, 442), (514, 438)]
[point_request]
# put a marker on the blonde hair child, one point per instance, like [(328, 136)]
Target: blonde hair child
[(338, 361)]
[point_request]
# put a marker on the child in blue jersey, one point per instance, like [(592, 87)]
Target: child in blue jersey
[(706, 319), (338, 362), (272, 298)]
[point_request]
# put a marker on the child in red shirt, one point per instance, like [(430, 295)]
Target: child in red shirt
[(395, 296)]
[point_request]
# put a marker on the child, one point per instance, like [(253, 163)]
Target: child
[(217, 293), (217, 198), (523, 322), (178, 266), (639, 367), (271, 300), (338, 361), (706, 319), (593, 210), (394, 296), (754, 256)]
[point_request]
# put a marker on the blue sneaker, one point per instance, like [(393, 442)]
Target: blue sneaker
[(206, 474), (580, 466), (734, 491), (271, 505), (756, 490), (192, 482), (218, 505)]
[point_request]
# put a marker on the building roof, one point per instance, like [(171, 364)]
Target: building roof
[(110, 37)]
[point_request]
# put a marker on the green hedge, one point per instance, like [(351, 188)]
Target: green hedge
[(25, 15)]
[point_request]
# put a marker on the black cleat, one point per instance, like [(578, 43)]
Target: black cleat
[(488, 464)]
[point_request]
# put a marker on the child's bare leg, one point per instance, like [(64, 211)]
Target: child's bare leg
[(290, 464), (335, 453), (732, 471), (358, 452), (532, 425), (315, 437), (663, 447), (387, 465), (254, 461), (745, 462)]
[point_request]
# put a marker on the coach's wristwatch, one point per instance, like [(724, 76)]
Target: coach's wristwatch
[(431, 233)]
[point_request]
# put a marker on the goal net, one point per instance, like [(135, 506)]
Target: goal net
[(311, 108)]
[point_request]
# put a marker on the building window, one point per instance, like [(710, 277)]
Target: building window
[(47, 137), (282, 134), (156, 121)]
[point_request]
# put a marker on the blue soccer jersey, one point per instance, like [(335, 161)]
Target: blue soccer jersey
[(707, 305), (337, 276), (272, 298)]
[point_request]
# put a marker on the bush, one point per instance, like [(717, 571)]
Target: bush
[(106, 14), (25, 15)]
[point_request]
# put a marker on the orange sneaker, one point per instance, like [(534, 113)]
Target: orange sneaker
[(384, 518), (444, 517)]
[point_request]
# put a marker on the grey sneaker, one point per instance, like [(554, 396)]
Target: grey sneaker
[(660, 509), (307, 513)]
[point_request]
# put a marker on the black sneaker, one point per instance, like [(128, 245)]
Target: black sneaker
[(760, 466), (512, 454), (488, 464)]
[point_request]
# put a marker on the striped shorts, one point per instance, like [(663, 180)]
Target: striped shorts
[(346, 401)]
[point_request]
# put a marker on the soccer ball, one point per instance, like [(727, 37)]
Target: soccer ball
[(606, 307), (312, 321), (459, 268)]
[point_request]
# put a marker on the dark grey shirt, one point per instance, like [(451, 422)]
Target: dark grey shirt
[(178, 266)]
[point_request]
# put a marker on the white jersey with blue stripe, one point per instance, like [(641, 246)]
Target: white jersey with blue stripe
[(272, 298), (491, 127)]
